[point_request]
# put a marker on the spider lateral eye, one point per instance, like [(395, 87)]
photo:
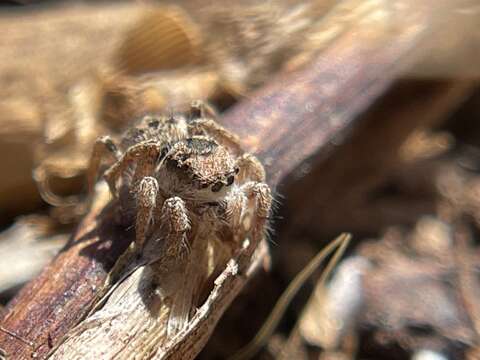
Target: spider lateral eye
[(237, 170), (230, 180), (217, 187)]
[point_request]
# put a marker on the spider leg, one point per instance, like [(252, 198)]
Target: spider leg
[(248, 211), (249, 168), (261, 196), (41, 175), (139, 153), (104, 147), (206, 126), (147, 192), (175, 216), (147, 162), (200, 110)]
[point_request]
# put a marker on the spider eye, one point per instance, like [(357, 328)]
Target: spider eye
[(237, 170), (230, 180), (217, 187), (153, 123)]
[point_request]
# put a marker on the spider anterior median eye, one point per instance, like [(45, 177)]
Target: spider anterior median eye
[(230, 180), (154, 123), (217, 187)]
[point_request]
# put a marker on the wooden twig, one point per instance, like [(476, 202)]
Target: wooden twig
[(46, 308)]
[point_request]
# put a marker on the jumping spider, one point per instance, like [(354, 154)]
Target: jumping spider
[(187, 173)]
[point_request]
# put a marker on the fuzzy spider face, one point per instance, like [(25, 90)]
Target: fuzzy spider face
[(203, 166)]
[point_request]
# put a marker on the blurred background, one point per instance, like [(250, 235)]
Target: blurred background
[(404, 179)]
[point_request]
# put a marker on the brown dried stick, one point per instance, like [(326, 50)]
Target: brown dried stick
[(288, 121)]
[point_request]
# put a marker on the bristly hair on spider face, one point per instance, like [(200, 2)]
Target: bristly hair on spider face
[(203, 164)]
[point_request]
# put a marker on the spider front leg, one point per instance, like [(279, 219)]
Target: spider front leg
[(249, 168), (137, 154), (173, 262), (104, 147), (175, 217), (260, 196), (248, 211), (147, 192)]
